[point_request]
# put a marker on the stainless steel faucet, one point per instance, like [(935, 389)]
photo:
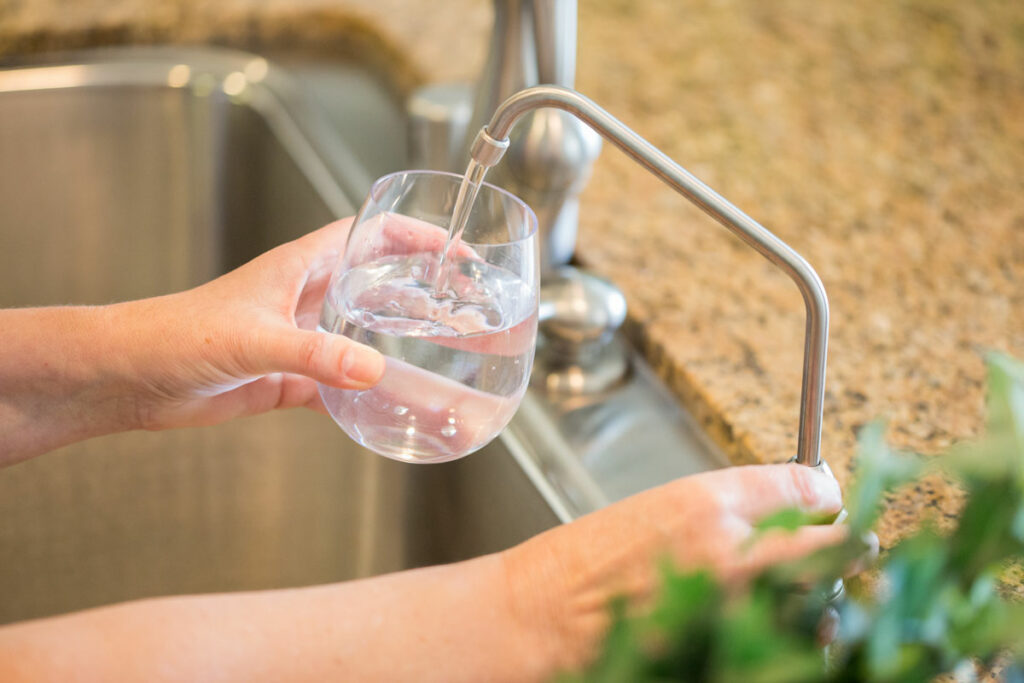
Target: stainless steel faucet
[(492, 140)]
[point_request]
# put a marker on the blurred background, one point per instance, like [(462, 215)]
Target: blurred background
[(883, 140)]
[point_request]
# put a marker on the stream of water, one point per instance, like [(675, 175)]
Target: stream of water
[(460, 216)]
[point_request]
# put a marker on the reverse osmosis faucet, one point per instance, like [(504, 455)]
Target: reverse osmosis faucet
[(490, 145), (492, 140)]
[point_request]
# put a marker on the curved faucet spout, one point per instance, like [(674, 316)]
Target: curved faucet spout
[(493, 138)]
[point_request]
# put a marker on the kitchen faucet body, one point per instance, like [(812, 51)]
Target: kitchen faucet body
[(533, 42)]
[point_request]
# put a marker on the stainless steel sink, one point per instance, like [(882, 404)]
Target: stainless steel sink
[(137, 172), (115, 184)]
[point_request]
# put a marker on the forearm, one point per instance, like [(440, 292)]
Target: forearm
[(58, 379), (451, 623)]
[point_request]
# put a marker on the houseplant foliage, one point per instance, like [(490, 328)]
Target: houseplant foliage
[(935, 608)]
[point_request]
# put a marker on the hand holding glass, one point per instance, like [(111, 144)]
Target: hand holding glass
[(459, 346)]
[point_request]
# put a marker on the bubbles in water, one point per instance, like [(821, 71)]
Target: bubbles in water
[(364, 318), (444, 352), (492, 317)]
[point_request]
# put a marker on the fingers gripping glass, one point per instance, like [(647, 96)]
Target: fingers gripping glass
[(458, 356)]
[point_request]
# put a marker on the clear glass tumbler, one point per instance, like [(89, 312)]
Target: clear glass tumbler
[(458, 355)]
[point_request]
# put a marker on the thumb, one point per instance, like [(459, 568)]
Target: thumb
[(327, 358)]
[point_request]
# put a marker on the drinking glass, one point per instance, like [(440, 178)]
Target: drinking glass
[(458, 345)]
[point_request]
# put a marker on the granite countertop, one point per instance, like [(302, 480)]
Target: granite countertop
[(882, 140)]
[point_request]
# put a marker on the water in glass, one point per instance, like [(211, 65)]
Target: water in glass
[(457, 332)]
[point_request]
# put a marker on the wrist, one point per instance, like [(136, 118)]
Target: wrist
[(559, 612), (62, 379)]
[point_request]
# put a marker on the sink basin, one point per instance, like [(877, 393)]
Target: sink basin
[(137, 172), (114, 184)]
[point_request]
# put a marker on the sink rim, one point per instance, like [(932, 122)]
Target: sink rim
[(331, 167)]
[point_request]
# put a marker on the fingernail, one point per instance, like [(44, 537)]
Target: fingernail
[(827, 486), (362, 365)]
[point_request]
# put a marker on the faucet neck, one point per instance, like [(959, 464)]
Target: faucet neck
[(712, 203)]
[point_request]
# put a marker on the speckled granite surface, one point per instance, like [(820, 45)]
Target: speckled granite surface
[(387, 34), (883, 140)]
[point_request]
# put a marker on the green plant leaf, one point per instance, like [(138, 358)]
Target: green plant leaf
[(987, 534), (787, 519), (758, 646), (1005, 402), (879, 470)]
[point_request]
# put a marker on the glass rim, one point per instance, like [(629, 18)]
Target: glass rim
[(530, 214)]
